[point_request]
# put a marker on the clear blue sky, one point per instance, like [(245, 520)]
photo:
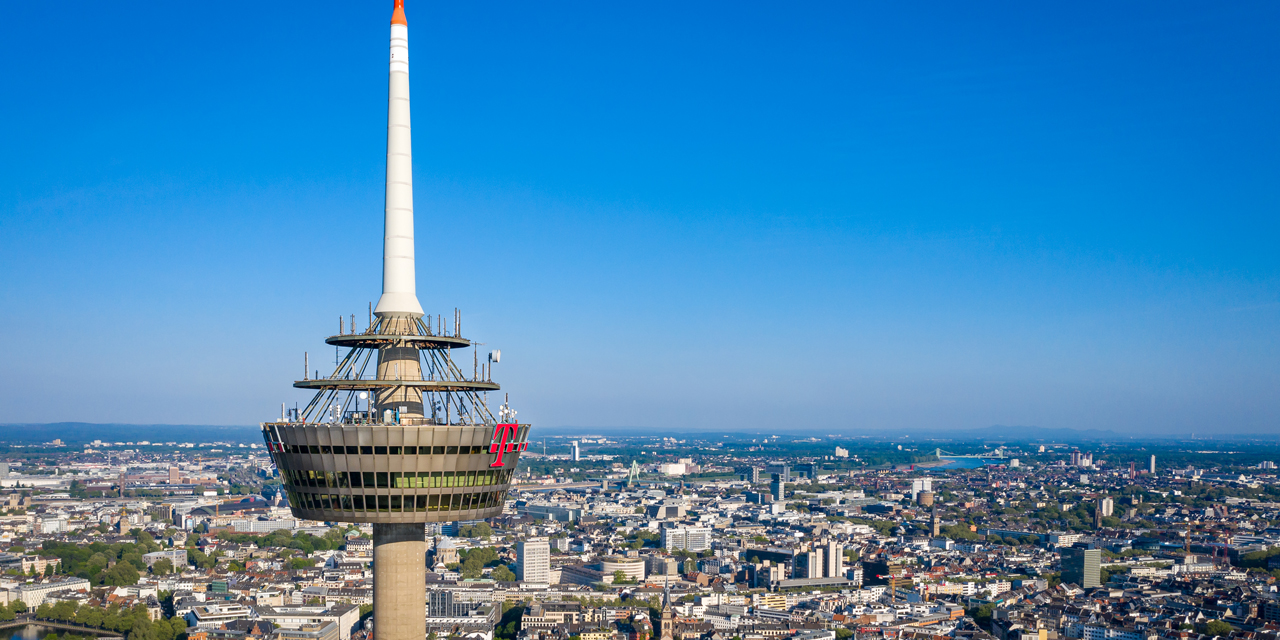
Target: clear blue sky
[(759, 216)]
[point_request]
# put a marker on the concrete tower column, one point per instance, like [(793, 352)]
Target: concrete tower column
[(400, 363), (399, 581)]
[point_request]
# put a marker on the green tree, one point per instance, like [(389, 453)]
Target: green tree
[(121, 575), (162, 567), (90, 616), (1217, 628), (503, 574), (63, 611), (302, 563), (472, 567), (509, 626), (982, 615)]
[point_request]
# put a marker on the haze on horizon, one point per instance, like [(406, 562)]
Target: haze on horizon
[(730, 216)]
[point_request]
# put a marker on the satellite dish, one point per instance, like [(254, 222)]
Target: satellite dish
[(363, 395), (495, 355)]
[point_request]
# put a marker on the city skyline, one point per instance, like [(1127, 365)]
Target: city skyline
[(961, 219)]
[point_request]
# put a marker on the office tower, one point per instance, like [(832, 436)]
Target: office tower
[(807, 563), (1081, 567), (1107, 506), (533, 561), (777, 488), (414, 440), (175, 476), (577, 455), (1152, 465), (692, 539), (842, 452), (920, 484), (748, 474), (835, 559)]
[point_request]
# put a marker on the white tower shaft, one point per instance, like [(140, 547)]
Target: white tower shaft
[(399, 289)]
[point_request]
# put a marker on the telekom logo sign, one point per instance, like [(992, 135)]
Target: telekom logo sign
[(504, 442)]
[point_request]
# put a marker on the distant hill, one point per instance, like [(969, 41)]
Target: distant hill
[(76, 433)]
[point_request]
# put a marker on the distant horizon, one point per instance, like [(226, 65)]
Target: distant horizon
[(44, 431)]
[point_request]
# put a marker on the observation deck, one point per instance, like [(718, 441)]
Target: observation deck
[(391, 473), (422, 447)]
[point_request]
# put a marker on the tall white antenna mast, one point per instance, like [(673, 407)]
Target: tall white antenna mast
[(399, 288)]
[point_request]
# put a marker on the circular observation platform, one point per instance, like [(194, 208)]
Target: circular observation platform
[(395, 473), (425, 385), (379, 340)]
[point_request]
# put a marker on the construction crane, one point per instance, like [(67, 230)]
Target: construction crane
[(893, 582)]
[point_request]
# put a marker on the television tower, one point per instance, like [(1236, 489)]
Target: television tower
[(414, 441)]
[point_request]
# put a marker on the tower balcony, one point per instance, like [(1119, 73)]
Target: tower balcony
[(395, 473)]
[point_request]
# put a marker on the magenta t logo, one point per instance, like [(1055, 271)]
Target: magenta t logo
[(504, 436)]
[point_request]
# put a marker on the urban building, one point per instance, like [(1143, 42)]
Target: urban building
[(1082, 567), (631, 568), (692, 539), (777, 487), (533, 561)]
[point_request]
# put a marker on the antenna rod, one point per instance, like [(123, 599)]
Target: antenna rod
[(306, 365), (399, 288)]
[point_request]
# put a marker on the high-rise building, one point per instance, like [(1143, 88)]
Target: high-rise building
[(533, 561), (778, 487), (693, 539), (577, 455), (807, 563), (1107, 506), (920, 484), (175, 475), (1152, 467), (842, 452), (1082, 567), (748, 474), (835, 559), (405, 438)]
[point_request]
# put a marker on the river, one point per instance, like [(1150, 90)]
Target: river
[(952, 463), (38, 631)]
